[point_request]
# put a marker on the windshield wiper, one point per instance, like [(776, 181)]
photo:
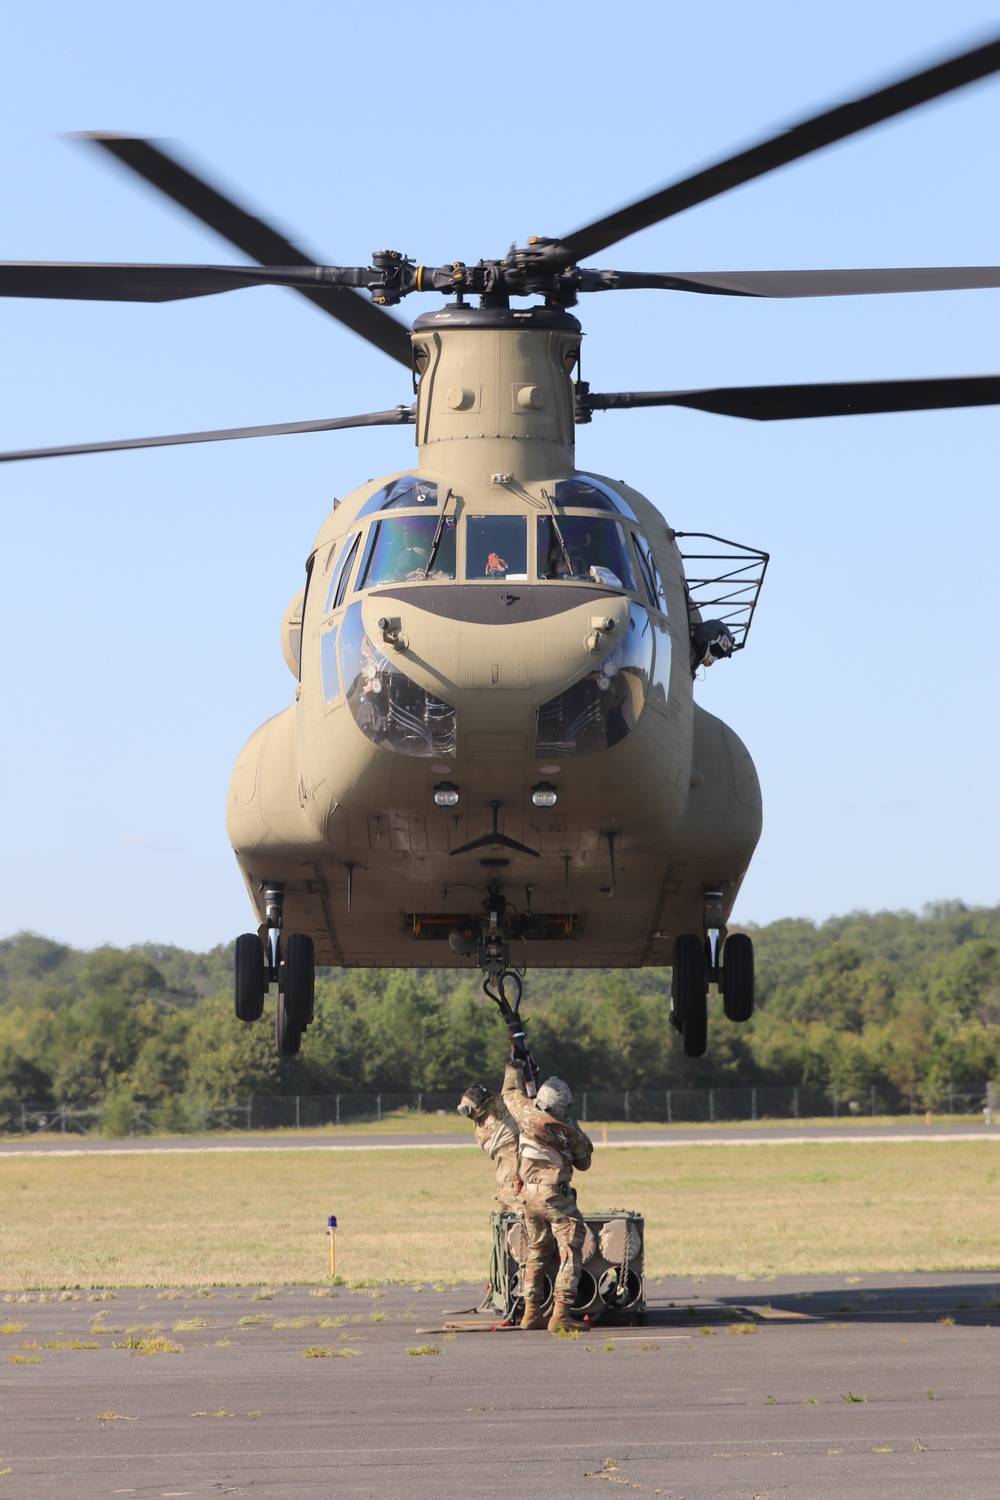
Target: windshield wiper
[(437, 536), (558, 534)]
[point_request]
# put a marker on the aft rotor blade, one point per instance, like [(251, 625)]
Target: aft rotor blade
[(397, 416), (860, 283), (108, 282), (775, 403), (811, 135), (251, 235)]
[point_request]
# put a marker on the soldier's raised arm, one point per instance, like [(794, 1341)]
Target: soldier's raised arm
[(582, 1149), (514, 1096)]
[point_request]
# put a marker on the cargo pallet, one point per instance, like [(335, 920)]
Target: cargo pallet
[(612, 1281)]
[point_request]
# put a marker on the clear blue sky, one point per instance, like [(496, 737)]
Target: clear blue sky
[(142, 593)]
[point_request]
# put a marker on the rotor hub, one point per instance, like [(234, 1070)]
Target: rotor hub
[(458, 315)]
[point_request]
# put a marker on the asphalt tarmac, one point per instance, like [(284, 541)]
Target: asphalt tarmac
[(833, 1131), (798, 1387)]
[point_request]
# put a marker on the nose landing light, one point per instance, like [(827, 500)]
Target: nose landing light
[(446, 794), (544, 794)]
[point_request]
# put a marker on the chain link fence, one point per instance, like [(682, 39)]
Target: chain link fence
[(409, 1112), (769, 1102)]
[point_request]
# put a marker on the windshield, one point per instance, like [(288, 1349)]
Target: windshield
[(409, 548), (409, 492), (496, 547), (583, 492), (583, 548)]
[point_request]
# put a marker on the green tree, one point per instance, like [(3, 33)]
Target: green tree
[(28, 961), (228, 1061), (92, 1045), (120, 969)]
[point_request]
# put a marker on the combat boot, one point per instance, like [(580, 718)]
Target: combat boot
[(562, 1317), (532, 1317)]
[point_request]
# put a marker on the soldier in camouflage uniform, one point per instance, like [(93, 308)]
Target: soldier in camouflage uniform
[(496, 1132), (552, 1144)]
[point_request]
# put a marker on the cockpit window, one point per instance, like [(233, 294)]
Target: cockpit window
[(496, 548), (408, 549), (585, 548), (409, 492), (650, 575), (582, 492), (347, 552), (328, 665)]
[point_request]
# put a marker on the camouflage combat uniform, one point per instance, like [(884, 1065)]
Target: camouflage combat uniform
[(550, 1149), (496, 1132)]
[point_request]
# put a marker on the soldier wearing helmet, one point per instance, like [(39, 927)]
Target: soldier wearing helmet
[(552, 1144), (496, 1132)]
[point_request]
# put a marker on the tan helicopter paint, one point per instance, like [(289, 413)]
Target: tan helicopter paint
[(317, 805)]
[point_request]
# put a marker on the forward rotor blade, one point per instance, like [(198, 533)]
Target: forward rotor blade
[(775, 403), (397, 416), (874, 282), (251, 235), (811, 135), (97, 282)]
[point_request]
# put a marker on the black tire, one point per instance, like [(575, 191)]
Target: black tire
[(299, 978), (249, 978), (287, 1033), (690, 988), (737, 977)]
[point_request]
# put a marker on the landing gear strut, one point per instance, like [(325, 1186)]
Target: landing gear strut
[(711, 959), (693, 968), (292, 965), (256, 959), (274, 907), (262, 960)]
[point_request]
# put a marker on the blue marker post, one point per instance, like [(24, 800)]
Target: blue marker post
[(331, 1229)]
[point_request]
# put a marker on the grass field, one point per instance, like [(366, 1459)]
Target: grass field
[(422, 1216), (403, 1122)]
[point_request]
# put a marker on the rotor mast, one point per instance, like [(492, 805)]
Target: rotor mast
[(496, 386)]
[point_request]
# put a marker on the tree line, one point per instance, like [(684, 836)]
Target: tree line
[(894, 1000)]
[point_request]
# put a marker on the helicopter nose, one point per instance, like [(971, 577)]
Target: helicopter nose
[(550, 652)]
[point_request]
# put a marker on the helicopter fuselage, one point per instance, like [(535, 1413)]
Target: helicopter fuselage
[(494, 683)]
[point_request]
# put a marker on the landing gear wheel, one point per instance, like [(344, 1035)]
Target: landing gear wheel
[(287, 1033), (737, 977), (249, 978), (299, 979), (690, 990)]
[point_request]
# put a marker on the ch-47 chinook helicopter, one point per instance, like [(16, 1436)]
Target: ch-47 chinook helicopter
[(493, 729)]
